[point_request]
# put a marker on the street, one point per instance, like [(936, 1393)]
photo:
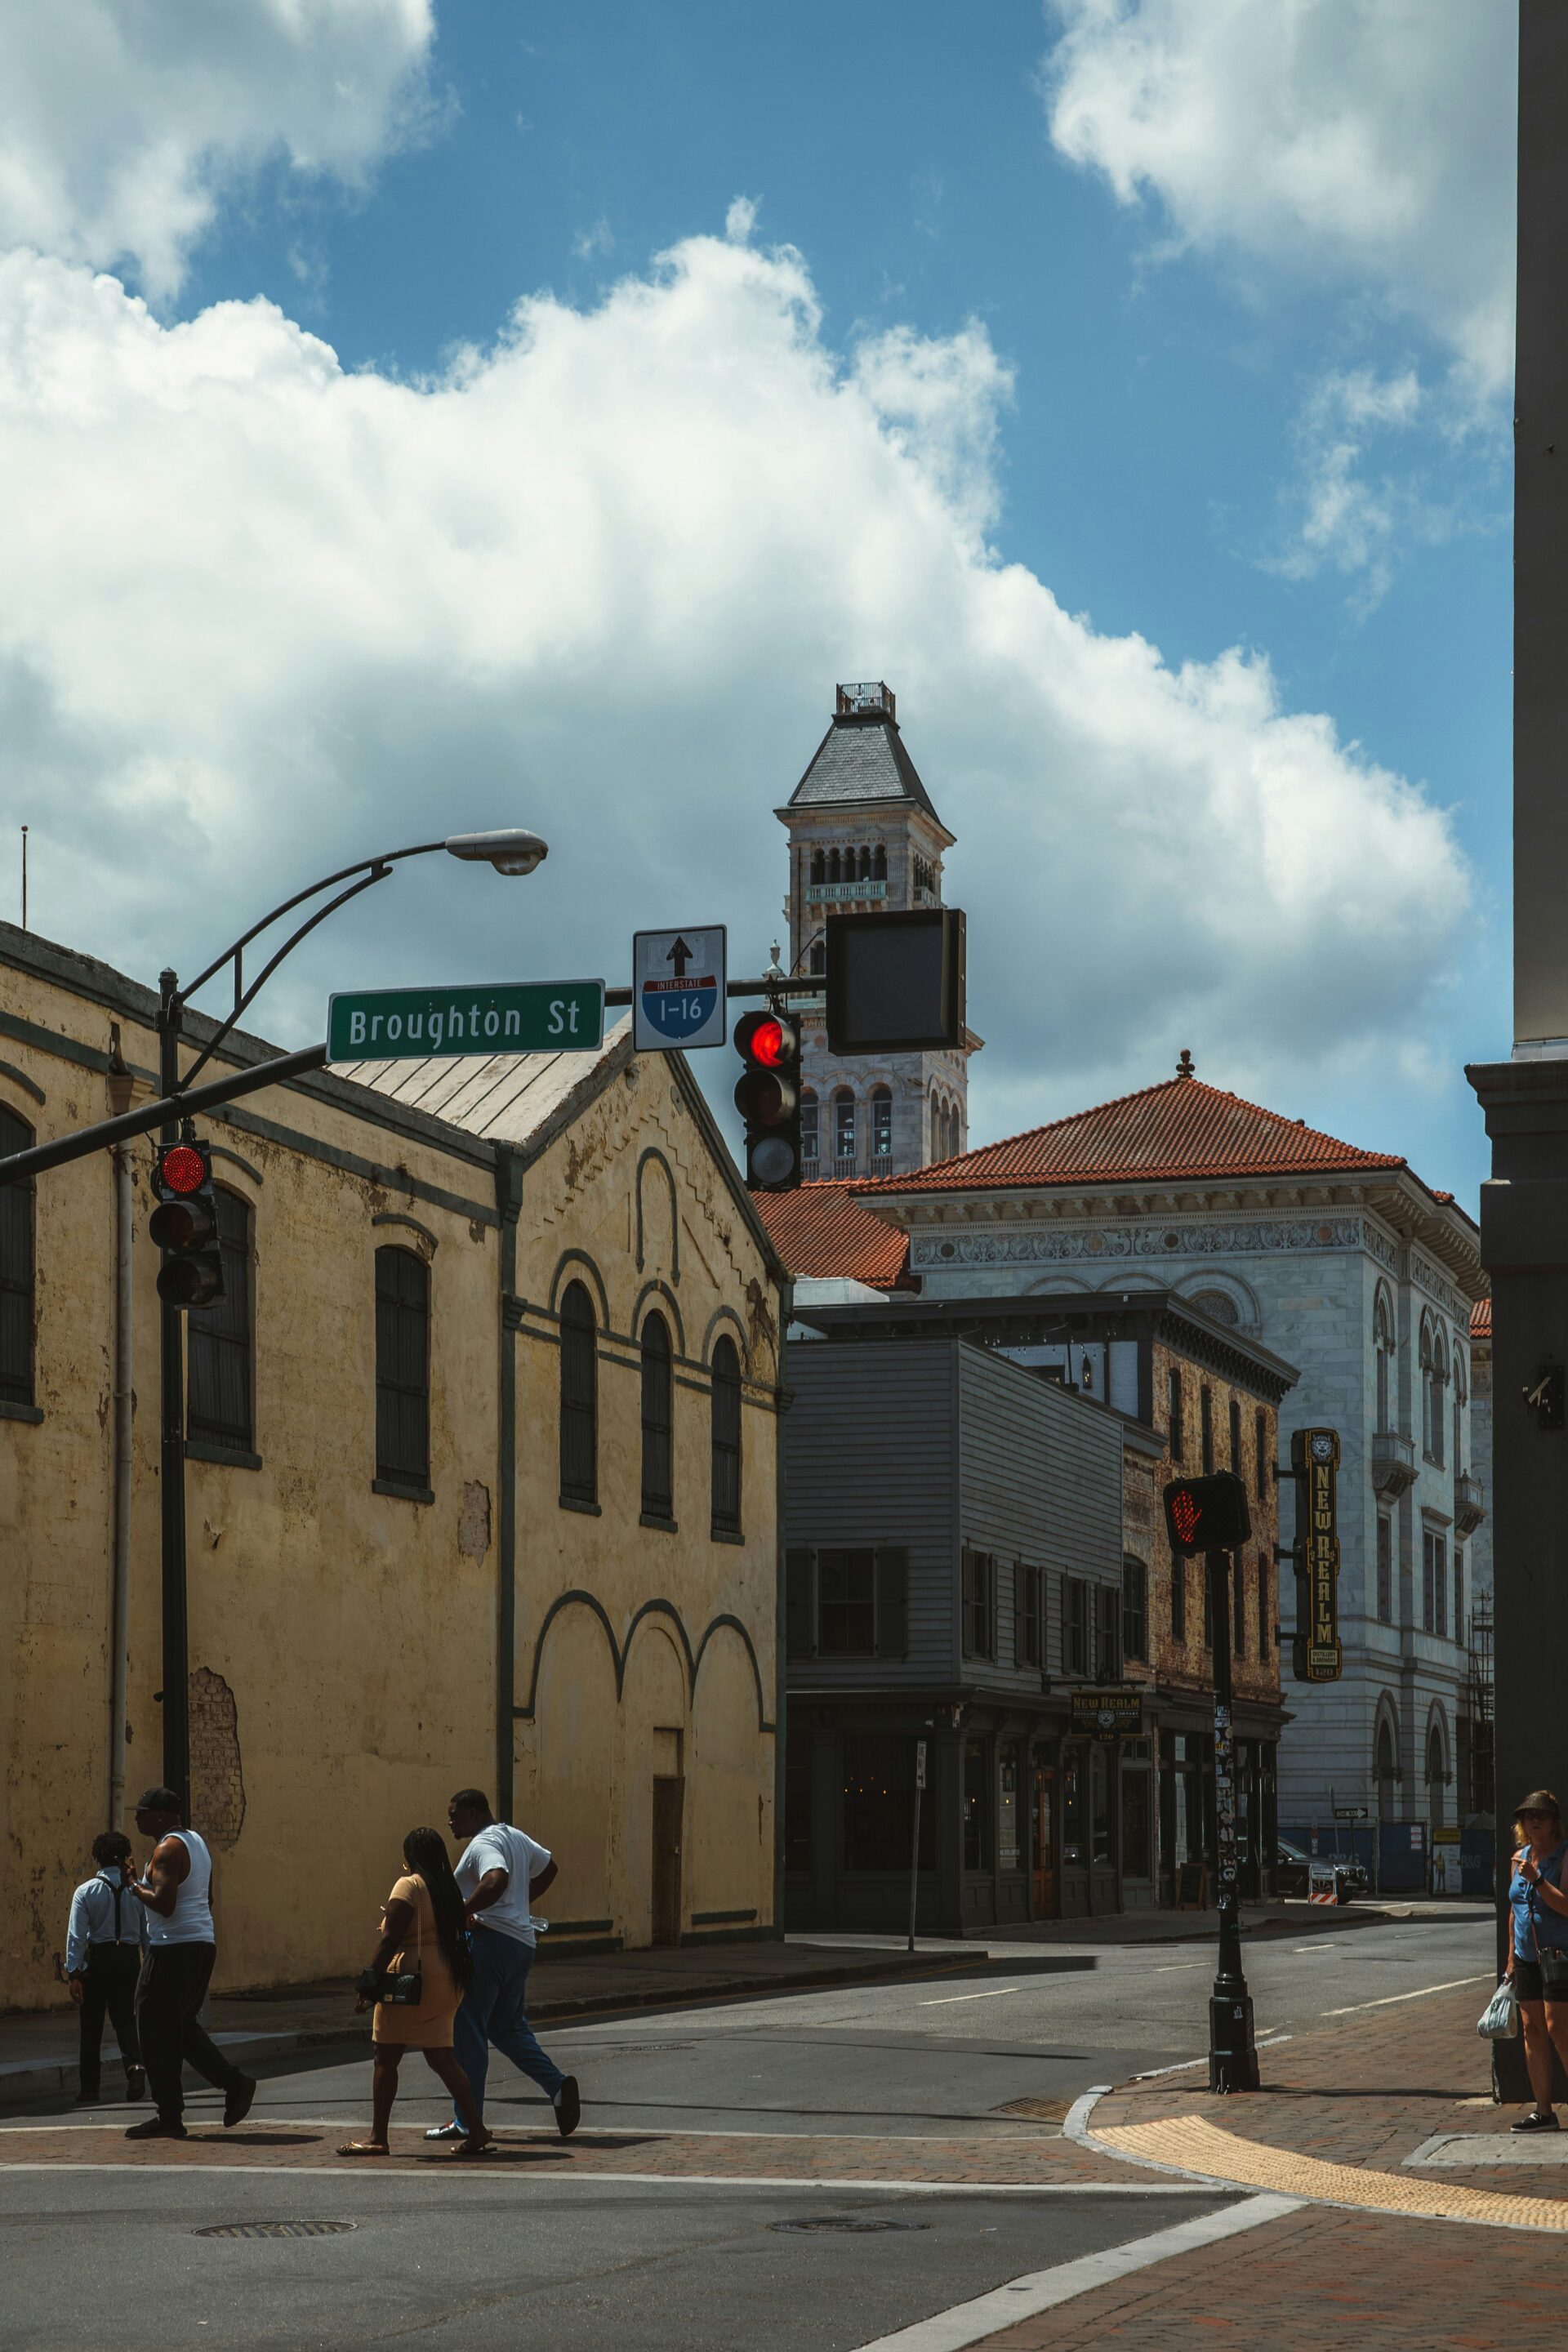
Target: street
[(778, 2113)]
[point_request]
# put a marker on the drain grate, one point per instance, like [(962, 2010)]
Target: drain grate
[(849, 2225), (277, 2229)]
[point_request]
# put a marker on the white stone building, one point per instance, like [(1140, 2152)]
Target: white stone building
[(864, 836), (1344, 1262)]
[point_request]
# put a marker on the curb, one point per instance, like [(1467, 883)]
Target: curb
[(58, 2078)]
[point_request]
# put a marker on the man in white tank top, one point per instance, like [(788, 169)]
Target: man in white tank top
[(181, 1946)]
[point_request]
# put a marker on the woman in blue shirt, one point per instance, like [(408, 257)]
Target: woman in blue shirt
[(1539, 1908)]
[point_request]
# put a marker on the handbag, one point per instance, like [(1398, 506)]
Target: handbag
[(398, 1988), (1552, 1961), (1499, 2022)]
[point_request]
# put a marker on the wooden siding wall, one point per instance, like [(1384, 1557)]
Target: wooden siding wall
[(1040, 1481)]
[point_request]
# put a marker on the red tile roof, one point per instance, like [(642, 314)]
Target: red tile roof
[(1181, 1128), (1481, 1319), (820, 1232)]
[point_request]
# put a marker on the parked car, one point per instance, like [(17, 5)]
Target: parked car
[(1292, 1869)]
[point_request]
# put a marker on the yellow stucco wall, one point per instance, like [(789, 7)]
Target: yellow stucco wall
[(344, 1642)]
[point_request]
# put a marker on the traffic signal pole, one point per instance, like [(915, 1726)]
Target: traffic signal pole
[(1232, 2057), (172, 1494)]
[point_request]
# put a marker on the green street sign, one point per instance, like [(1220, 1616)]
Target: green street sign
[(400, 1024)]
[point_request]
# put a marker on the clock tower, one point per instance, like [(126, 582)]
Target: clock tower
[(864, 836)]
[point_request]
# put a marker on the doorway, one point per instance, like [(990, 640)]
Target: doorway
[(668, 1801), (1043, 1844)]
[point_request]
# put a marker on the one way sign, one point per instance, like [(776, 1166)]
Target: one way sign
[(678, 988)]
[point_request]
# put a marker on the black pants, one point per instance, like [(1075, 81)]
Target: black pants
[(109, 1985), (173, 1986)]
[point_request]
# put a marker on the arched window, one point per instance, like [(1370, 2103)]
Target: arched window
[(844, 1124), (819, 868), (1218, 1305), (1387, 1770), (879, 863), (579, 1397), (954, 1132), (881, 1123), (657, 1414), (832, 865), (810, 1130), (1435, 1775), (1427, 1386), (220, 1345), (865, 861), (818, 954), (402, 1371), (1439, 1396), (16, 1271), (726, 1426), (1383, 1349), (1459, 1403)]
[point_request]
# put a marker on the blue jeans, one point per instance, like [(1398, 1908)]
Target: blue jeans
[(494, 2008)]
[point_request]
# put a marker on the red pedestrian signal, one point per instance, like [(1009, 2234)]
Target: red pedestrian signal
[(184, 1226), (1207, 1514), (767, 1095)]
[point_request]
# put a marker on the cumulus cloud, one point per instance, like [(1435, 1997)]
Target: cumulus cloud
[(1361, 142), (259, 615), (121, 121)]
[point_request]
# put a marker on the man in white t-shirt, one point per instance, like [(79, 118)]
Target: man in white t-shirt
[(498, 1872)]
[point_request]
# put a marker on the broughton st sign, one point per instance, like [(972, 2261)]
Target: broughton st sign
[(389, 1024)]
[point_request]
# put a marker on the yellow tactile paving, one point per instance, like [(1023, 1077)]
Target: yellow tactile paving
[(1193, 2145)]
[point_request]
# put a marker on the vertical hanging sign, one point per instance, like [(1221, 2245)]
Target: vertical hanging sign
[(1315, 1461)]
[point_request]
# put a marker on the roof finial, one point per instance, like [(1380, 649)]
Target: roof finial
[(1184, 1069)]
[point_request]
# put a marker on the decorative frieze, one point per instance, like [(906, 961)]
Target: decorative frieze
[(1107, 1244)]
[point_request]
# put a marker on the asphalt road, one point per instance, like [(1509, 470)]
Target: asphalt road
[(474, 2260)]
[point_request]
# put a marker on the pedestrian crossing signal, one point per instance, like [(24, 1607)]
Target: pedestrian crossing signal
[(767, 1095), (1207, 1514), (185, 1225)]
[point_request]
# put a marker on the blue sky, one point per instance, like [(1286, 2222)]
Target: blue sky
[(1137, 391)]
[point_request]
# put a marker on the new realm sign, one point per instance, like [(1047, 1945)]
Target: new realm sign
[(410, 1024), (677, 990), (1315, 1460)]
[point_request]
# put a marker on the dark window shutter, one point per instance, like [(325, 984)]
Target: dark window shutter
[(402, 1368), (797, 1603), (990, 1605), (16, 1270), (892, 1603)]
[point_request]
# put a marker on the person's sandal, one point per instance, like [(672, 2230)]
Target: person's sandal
[(364, 2148), (472, 2148)]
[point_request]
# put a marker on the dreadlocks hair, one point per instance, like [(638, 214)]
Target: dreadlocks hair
[(425, 1852)]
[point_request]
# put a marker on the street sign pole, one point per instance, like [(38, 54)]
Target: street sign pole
[(172, 1497), (1233, 2058), (915, 1841)]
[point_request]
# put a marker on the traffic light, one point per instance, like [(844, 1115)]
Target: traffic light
[(1207, 1514), (184, 1226), (767, 1095)]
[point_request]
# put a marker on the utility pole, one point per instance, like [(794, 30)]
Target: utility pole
[(1524, 1207), (172, 1484)]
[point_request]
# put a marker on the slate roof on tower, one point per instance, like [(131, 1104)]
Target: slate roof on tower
[(861, 760), (1164, 1134)]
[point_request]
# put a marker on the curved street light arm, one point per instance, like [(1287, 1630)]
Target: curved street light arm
[(389, 857), (378, 873)]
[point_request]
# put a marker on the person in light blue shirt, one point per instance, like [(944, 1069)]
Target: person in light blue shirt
[(104, 1942)]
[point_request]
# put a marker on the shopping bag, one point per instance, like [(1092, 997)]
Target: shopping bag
[(1499, 2022)]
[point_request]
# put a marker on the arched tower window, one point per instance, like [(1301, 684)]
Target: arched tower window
[(1427, 1386), (658, 1421), (818, 867), (844, 1124), (1439, 1396), (879, 862), (810, 1131), (881, 1123), (865, 861), (833, 865), (817, 958)]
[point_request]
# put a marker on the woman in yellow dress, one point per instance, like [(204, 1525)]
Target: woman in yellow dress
[(423, 1933)]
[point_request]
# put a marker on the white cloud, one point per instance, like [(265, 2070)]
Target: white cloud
[(1360, 141), (259, 616), (122, 120)]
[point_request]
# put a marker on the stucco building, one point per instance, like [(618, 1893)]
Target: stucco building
[(1349, 1267), (481, 1486)]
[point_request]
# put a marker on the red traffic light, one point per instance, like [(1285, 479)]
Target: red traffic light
[(1207, 1514), (768, 1041), (183, 1169)]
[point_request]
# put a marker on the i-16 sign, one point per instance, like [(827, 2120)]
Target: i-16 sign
[(678, 988), (401, 1025)]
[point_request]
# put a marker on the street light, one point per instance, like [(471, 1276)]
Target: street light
[(512, 851)]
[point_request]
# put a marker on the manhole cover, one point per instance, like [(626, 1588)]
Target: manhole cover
[(277, 2229), (849, 2225)]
